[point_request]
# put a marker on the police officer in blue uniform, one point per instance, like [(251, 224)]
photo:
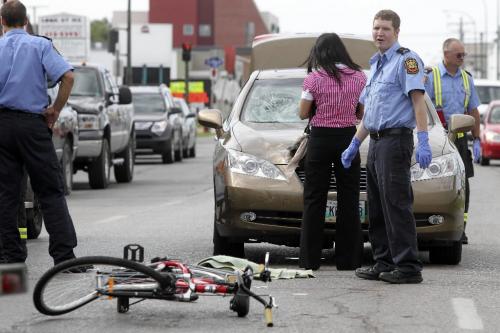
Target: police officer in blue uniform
[(393, 101), (454, 93), (26, 119)]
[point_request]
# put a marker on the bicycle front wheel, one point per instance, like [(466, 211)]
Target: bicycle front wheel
[(76, 282)]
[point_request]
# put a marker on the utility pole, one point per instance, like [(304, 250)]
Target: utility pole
[(128, 76), (34, 22), (461, 29), (498, 42)]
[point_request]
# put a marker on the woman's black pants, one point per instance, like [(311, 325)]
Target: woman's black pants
[(324, 150)]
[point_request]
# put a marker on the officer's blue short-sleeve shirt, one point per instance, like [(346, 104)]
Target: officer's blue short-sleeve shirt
[(26, 62), (453, 92), (393, 75)]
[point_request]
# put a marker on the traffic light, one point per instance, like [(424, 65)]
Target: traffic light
[(186, 51), (112, 40)]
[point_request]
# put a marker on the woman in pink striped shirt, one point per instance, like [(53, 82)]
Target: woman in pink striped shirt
[(333, 84)]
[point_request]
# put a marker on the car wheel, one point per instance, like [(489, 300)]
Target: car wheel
[(185, 149), (447, 255), (178, 151), (125, 172), (484, 161), (67, 167), (99, 169), (192, 151), (222, 246), (167, 156), (34, 217)]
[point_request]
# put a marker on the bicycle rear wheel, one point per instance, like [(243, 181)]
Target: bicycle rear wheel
[(60, 291)]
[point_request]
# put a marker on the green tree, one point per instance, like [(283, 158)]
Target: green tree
[(99, 31)]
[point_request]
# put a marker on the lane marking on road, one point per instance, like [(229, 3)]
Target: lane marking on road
[(466, 313), (111, 219), (300, 294)]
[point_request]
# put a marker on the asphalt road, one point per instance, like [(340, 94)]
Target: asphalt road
[(168, 209)]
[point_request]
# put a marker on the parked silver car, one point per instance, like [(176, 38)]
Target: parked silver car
[(158, 123), (188, 128)]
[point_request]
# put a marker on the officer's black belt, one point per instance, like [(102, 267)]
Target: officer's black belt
[(21, 113), (375, 135)]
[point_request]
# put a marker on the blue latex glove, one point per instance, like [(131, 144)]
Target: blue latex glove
[(476, 149), (423, 153), (351, 151)]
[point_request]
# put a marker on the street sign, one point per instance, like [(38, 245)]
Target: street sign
[(214, 62), (69, 33)]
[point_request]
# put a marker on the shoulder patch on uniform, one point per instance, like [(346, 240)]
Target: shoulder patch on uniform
[(403, 50), (411, 66)]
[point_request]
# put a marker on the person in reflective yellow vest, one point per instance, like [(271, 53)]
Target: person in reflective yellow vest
[(452, 91)]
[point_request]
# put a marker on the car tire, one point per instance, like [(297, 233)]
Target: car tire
[(222, 246), (99, 168), (34, 217), (67, 167), (192, 151), (124, 173), (185, 149), (178, 151), (167, 157), (484, 161), (446, 255)]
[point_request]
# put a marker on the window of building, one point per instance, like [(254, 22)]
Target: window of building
[(187, 30), (205, 30)]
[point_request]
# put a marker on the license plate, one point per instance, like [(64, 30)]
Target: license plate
[(331, 211)]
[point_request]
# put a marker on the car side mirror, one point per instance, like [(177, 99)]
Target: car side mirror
[(461, 123), (211, 118), (125, 95), (174, 110)]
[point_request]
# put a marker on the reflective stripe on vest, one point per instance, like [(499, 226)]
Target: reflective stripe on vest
[(438, 92), (23, 232)]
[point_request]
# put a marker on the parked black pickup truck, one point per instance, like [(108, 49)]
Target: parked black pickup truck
[(106, 123)]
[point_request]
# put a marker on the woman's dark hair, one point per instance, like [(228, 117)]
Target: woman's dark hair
[(327, 52), (14, 13)]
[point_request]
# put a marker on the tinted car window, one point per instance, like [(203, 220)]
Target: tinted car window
[(273, 101), (86, 83), (495, 116), (487, 94), (148, 103)]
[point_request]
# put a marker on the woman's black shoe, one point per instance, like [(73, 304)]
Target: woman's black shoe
[(368, 273)]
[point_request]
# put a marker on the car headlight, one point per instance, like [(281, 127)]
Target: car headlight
[(159, 127), (440, 167), (88, 122), (143, 125), (251, 165), (492, 136)]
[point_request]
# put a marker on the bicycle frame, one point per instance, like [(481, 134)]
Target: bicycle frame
[(163, 278)]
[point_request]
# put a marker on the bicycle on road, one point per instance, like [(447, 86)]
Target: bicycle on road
[(77, 282)]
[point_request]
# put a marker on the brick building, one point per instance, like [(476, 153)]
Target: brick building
[(218, 23)]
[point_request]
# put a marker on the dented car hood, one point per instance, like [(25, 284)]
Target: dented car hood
[(271, 141)]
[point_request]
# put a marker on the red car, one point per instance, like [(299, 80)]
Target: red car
[(490, 134)]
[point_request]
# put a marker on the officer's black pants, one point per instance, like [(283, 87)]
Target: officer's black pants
[(25, 140), (466, 155), (392, 227), (325, 147)]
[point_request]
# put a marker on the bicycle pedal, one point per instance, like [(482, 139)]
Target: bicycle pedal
[(133, 252)]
